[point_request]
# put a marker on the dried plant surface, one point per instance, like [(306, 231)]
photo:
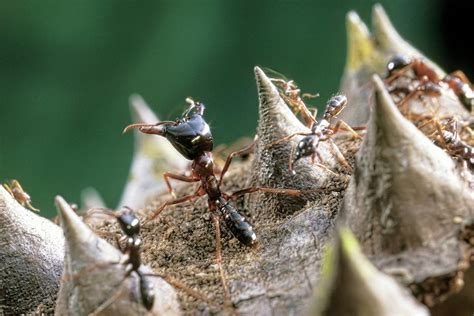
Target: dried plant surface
[(408, 202), (31, 257)]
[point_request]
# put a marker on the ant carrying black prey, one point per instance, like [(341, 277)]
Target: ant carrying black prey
[(192, 137), (130, 227), (321, 131)]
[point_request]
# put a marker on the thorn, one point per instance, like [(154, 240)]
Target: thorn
[(94, 272), (347, 276), (91, 198), (407, 190), (359, 43), (271, 164), (31, 253), (152, 157), (390, 43)]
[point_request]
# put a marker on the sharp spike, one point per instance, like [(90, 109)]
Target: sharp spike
[(360, 48), (91, 198), (390, 43), (271, 164), (348, 277), (405, 191), (152, 157), (31, 259), (94, 272), (362, 61)]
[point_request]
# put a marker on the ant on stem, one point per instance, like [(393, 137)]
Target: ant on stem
[(192, 137), (130, 226), (321, 131), (14, 188)]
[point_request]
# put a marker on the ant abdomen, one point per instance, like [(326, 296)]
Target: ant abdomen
[(237, 224), (147, 292)]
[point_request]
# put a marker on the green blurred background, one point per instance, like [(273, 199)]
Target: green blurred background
[(67, 69)]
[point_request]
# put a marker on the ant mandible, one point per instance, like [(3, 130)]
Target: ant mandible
[(192, 137), (14, 188), (130, 226), (321, 131)]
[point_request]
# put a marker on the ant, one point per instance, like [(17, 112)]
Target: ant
[(290, 92), (321, 131), (449, 140), (192, 137), (130, 226), (14, 188), (457, 81)]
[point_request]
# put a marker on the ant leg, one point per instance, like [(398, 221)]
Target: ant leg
[(403, 104), (111, 299), (217, 228), (9, 190), (180, 285), (173, 202), (340, 157), (169, 175), (243, 151), (288, 138), (461, 75), (340, 124), (292, 192)]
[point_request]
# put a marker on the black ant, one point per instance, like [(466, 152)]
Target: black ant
[(14, 188), (192, 137), (130, 226), (457, 80), (321, 131)]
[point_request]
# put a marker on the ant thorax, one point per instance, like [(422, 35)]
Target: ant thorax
[(320, 128)]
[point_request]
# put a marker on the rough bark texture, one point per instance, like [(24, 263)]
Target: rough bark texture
[(95, 278), (407, 202), (31, 259)]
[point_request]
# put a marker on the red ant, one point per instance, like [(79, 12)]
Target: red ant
[(457, 80), (321, 131), (14, 188), (192, 137), (290, 92)]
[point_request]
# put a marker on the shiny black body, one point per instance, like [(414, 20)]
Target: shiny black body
[(236, 223), (192, 137), (130, 226), (398, 62)]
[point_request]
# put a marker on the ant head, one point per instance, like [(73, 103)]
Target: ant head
[(191, 136), (129, 223), (335, 105), (398, 62)]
